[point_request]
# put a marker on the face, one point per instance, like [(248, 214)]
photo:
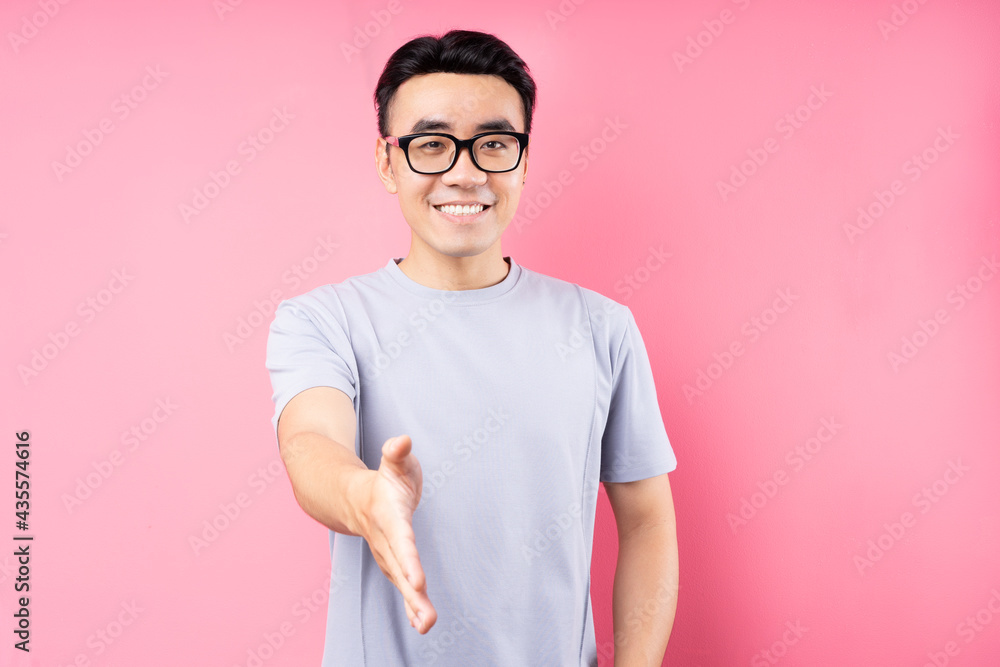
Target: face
[(462, 105)]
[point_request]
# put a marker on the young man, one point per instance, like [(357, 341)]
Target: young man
[(450, 416)]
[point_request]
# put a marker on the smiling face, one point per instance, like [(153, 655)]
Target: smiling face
[(462, 105)]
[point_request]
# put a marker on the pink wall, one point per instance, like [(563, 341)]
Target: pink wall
[(830, 386)]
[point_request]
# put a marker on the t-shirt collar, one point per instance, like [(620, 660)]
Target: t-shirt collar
[(457, 296)]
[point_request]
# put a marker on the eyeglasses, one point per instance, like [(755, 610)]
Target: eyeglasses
[(431, 153)]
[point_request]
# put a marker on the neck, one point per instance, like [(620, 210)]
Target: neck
[(444, 272)]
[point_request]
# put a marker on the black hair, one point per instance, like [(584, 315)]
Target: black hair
[(459, 52)]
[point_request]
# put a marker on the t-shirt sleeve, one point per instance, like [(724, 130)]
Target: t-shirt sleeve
[(635, 444), (308, 345)]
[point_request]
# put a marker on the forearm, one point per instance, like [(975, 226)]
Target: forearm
[(645, 595), (329, 481)]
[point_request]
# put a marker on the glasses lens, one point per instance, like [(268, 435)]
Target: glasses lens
[(497, 152), (432, 153)]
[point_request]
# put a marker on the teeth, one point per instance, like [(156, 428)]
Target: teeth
[(461, 210)]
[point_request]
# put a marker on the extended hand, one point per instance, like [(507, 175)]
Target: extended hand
[(394, 493)]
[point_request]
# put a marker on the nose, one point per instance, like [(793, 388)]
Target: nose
[(465, 173)]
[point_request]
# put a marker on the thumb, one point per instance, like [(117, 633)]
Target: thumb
[(396, 448)]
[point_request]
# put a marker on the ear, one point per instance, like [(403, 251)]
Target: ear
[(524, 160), (383, 166)]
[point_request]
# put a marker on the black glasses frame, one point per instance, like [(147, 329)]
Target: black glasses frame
[(404, 143)]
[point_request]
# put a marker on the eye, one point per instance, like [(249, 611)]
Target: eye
[(431, 145)]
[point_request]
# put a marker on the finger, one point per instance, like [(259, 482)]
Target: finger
[(403, 547), (393, 569), (410, 614), (396, 457), (409, 576), (427, 619), (418, 606), (397, 448)]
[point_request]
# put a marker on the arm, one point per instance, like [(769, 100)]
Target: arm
[(646, 577), (316, 433)]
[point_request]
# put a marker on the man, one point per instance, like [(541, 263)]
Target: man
[(450, 416)]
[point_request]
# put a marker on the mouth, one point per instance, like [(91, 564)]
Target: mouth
[(462, 212)]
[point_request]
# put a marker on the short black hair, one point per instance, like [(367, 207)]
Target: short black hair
[(459, 52)]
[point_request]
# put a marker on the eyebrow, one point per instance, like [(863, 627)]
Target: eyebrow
[(432, 124)]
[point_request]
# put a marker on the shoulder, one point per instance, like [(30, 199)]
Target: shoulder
[(326, 312), (332, 299), (603, 312)]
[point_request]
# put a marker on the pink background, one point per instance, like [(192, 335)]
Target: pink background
[(878, 339)]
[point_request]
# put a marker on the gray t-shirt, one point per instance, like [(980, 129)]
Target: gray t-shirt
[(519, 398)]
